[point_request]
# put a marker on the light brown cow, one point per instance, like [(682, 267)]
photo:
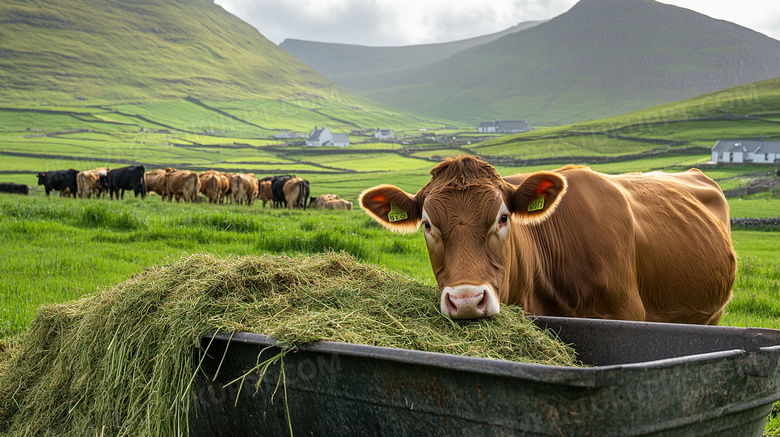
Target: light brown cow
[(340, 204), (296, 192), (570, 242), (244, 188), (155, 181), (182, 184), (89, 181), (224, 185), (321, 199), (265, 194), (213, 185)]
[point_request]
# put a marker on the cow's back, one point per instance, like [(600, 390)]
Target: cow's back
[(652, 247), (155, 181), (683, 241)]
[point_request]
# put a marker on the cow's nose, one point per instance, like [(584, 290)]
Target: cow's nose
[(467, 307)]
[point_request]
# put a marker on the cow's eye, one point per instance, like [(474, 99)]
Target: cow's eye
[(427, 225), (504, 218)]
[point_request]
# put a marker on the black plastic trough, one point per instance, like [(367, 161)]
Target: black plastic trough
[(648, 379)]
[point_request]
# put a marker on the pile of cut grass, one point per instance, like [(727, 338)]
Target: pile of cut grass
[(122, 361)]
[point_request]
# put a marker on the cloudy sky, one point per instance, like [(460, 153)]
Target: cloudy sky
[(405, 22)]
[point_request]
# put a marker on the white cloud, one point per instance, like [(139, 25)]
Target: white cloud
[(404, 22), (388, 22)]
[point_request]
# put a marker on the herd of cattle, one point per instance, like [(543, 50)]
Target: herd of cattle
[(281, 191)]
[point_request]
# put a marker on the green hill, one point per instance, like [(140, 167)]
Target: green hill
[(56, 51), (94, 83), (675, 130), (360, 68), (601, 58)]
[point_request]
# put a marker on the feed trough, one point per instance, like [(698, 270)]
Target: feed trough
[(645, 379)]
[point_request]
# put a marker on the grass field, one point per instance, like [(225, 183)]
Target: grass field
[(64, 248)]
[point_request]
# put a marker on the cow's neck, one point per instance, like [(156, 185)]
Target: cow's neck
[(518, 284), (526, 282)]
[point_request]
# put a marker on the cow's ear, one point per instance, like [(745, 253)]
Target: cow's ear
[(537, 196), (392, 207)]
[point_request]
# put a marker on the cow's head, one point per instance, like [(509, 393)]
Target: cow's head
[(103, 180), (469, 214), (41, 178)]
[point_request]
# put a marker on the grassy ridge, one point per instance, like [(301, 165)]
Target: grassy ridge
[(106, 51)]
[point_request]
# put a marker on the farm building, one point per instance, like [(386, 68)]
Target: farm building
[(384, 134), (504, 126), (325, 138), (740, 151)]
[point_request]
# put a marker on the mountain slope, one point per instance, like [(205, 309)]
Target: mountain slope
[(111, 50), (599, 59), (357, 67)]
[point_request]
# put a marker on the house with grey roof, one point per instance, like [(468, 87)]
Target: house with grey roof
[(384, 134), (746, 151), (509, 126), (323, 137)]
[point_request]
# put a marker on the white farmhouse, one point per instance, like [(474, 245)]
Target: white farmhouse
[(324, 137), (746, 151), (384, 134), (509, 126)]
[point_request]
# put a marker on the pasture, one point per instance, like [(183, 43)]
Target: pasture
[(61, 249)]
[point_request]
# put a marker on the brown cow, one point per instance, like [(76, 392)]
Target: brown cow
[(296, 192), (570, 242), (224, 185), (341, 204), (89, 181), (244, 188), (182, 184), (211, 185), (155, 181), (266, 195), (320, 202)]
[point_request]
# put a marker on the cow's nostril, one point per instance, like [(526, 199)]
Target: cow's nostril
[(451, 307), (483, 303)]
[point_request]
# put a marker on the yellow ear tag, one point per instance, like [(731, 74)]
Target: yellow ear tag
[(396, 214), (537, 204)]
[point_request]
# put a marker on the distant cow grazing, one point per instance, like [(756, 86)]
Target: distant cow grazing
[(126, 178), (89, 182), (14, 188), (183, 184), (320, 200), (330, 201), (296, 192), (338, 204), (244, 188), (265, 194), (59, 180), (570, 242), (214, 185), (155, 181), (209, 185)]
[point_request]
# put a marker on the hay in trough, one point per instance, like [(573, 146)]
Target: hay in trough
[(123, 361)]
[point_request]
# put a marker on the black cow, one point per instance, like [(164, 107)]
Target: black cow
[(277, 189), (59, 180), (10, 187), (125, 178)]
